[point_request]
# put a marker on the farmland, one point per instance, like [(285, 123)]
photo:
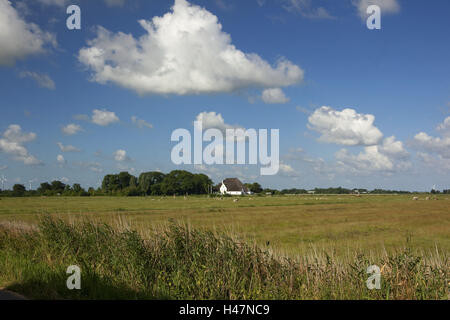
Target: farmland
[(289, 223), (344, 232)]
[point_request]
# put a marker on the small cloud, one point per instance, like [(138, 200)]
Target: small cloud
[(43, 80), (287, 170), (115, 3), (303, 110), (121, 156), (92, 166), (386, 6), (140, 123), (60, 159), (67, 148), (213, 120), (307, 10), (104, 117), (71, 129), (99, 117), (274, 96)]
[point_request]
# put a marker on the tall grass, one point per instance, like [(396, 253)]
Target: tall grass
[(177, 262)]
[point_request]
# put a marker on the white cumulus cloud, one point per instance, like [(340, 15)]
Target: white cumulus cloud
[(12, 143), (60, 159), (346, 127), (431, 144), (104, 117), (183, 52), (71, 129), (274, 96), (389, 155), (19, 38), (213, 120), (121, 155)]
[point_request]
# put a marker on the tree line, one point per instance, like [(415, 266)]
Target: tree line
[(176, 182)]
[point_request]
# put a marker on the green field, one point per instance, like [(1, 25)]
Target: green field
[(280, 247), (293, 224)]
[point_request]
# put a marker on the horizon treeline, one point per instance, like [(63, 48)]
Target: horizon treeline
[(176, 182)]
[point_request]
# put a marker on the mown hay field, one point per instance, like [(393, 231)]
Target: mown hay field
[(281, 247), (291, 225)]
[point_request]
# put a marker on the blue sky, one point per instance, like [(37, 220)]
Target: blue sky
[(355, 107)]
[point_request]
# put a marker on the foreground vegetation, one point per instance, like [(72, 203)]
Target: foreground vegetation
[(177, 262)]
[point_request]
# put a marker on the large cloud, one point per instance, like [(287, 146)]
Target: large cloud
[(18, 38), (12, 143), (389, 155), (438, 145), (183, 52), (436, 162), (346, 127)]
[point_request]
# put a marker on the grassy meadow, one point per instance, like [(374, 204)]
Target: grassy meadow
[(280, 247)]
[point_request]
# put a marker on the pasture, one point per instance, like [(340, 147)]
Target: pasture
[(199, 247), (292, 225)]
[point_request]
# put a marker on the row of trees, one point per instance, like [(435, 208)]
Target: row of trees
[(156, 183), (178, 182)]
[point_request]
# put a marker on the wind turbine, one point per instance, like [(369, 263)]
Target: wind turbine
[(3, 179), (31, 182)]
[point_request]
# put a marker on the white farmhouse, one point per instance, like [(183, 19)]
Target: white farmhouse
[(233, 186)]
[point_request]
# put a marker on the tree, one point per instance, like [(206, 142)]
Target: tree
[(124, 179), (58, 186), (110, 183), (149, 182), (184, 182), (44, 188), (18, 190), (254, 187), (118, 182)]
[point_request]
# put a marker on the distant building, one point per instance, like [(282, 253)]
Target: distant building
[(233, 186), (311, 191)]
